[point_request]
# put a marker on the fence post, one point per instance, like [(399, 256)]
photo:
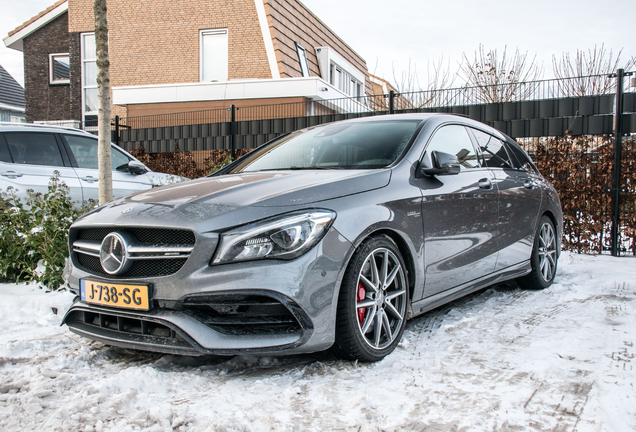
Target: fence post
[(117, 130), (232, 129), (618, 138), (391, 102)]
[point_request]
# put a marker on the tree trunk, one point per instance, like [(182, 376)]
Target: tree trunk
[(104, 163)]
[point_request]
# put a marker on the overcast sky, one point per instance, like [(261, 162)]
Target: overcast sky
[(387, 33)]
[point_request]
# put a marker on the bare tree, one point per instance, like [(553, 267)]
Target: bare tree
[(104, 162), (439, 80), (587, 73), (493, 78)]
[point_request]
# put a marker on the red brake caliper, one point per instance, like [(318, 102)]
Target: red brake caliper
[(361, 295)]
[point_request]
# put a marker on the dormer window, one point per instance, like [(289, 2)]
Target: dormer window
[(343, 81), (302, 58)]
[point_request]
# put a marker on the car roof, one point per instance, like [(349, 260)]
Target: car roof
[(31, 127), (436, 117)]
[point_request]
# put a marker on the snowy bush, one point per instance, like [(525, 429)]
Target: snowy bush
[(34, 234)]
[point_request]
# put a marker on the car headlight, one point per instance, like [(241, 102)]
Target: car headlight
[(282, 237)]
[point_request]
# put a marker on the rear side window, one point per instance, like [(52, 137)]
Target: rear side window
[(4, 151), (519, 158), (493, 150), (34, 149)]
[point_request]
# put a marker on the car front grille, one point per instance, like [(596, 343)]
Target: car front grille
[(143, 235), (243, 314), (139, 268), (158, 252)]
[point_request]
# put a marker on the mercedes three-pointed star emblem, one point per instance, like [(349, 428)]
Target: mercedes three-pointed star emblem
[(113, 253)]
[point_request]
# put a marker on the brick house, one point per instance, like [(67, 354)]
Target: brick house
[(170, 56)]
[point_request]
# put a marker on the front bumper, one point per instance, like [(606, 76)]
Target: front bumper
[(264, 307)]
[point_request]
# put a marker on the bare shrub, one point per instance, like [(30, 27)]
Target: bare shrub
[(580, 168)]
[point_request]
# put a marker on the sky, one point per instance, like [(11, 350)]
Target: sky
[(389, 34)]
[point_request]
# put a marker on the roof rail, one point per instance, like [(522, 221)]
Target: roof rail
[(43, 126)]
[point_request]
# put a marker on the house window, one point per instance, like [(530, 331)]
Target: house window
[(214, 55), (344, 82), (59, 69), (302, 58), (89, 75)]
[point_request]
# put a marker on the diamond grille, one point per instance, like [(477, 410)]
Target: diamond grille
[(145, 236)]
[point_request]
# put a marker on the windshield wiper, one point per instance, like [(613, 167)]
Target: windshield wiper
[(313, 168)]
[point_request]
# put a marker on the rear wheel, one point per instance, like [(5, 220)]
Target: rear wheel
[(544, 257), (373, 302)]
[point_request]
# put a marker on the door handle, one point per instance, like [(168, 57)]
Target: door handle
[(485, 183), (11, 174), (528, 184), (89, 179)]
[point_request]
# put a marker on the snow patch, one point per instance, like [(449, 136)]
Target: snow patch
[(501, 359)]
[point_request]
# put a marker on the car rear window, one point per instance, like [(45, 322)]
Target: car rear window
[(34, 149)]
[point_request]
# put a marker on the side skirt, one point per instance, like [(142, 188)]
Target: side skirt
[(429, 303)]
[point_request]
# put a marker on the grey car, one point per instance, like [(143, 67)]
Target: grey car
[(31, 154), (331, 236)]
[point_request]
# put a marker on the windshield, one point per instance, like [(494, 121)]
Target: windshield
[(360, 145)]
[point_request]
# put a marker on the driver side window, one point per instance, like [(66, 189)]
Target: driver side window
[(453, 139)]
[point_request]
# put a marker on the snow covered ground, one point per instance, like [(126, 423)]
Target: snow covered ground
[(503, 359)]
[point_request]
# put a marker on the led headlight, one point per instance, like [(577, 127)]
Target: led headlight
[(282, 237)]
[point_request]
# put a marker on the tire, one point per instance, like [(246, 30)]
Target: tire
[(373, 302), (544, 257)]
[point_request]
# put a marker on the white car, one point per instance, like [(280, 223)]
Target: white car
[(30, 154)]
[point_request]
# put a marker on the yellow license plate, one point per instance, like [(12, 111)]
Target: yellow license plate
[(118, 295)]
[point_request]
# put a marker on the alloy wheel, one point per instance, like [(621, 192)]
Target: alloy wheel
[(547, 252), (381, 298)]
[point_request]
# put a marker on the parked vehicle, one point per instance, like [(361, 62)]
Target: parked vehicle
[(30, 154), (331, 236)]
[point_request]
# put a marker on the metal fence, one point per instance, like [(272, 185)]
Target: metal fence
[(595, 175), (414, 101)]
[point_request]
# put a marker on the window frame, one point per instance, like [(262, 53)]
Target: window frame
[(509, 162), (426, 154), (73, 159), (52, 79), (66, 162), (4, 147), (213, 32), (302, 59), (85, 86), (525, 165), (344, 81)]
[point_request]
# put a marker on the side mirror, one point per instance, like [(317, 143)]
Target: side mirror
[(443, 164), (136, 168)]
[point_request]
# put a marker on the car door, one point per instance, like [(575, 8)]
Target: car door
[(83, 152), (459, 213), (31, 159), (519, 199)]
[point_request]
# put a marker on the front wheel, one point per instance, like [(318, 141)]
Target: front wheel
[(373, 302), (544, 257)]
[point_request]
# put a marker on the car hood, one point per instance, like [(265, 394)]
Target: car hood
[(268, 189), (214, 202)]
